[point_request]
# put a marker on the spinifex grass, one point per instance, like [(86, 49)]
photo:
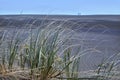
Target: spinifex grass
[(108, 67), (37, 54), (41, 53)]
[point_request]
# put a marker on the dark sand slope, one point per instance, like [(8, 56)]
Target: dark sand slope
[(99, 32)]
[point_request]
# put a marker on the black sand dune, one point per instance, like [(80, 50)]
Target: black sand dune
[(20, 21), (101, 32)]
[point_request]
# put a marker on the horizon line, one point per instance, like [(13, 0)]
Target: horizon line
[(64, 14)]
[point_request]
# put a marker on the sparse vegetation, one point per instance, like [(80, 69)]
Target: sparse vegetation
[(47, 54)]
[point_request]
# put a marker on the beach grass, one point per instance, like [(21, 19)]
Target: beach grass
[(47, 54)]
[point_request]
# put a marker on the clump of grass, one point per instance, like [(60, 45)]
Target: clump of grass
[(38, 54), (107, 68)]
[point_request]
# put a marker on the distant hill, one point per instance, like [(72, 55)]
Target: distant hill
[(22, 20)]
